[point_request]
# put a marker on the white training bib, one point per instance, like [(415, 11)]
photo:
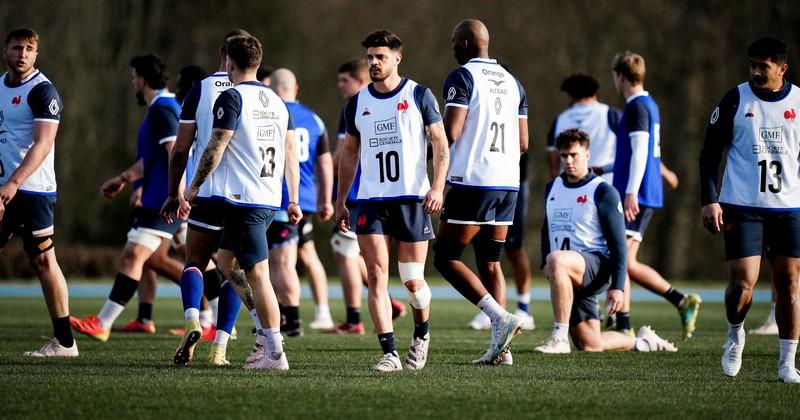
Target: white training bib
[(486, 155), (393, 146), (764, 155), (592, 119), (572, 217)]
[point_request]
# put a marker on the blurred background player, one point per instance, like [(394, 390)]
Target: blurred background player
[(486, 123), (31, 110), (148, 233), (637, 177), (584, 254), (288, 241), (757, 206), (263, 74), (386, 136), (250, 162)]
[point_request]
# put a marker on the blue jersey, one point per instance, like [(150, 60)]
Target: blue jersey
[(308, 134), (640, 115), (352, 197), (159, 127)]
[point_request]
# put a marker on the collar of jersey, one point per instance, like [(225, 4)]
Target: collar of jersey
[(587, 179), (389, 94), (482, 60), (770, 96), (636, 95), (253, 83), (220, 74), (21, 82), (161, 94)]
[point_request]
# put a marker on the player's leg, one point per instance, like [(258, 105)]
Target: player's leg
[(520, 264), (143, 323), (283, 273), (782, 233), (769, 327), (375, 248), (565, 272), (349, 262), (229, 305), (317, 277)]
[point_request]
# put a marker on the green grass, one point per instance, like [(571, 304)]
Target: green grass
[(132, 376)]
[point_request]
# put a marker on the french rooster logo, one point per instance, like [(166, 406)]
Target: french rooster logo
[(582, 199), (790, 114)]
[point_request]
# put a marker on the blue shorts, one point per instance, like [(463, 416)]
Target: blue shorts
[(305, 229), (207, 215), (516, 233), (638, 226), (596, 280), (280, 234), (466, 206), (402, 220), (753, 232), (31, 217), (245, 233), (150, 221)]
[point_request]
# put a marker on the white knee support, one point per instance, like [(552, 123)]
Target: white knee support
[(148, 238), (409, 271)]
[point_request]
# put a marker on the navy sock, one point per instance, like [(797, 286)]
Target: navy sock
[(123, 289), (387, 342), (673, 296), (623, 321), (292, 314), (353, 315), (145, 312), (420, 330), (62, 331)]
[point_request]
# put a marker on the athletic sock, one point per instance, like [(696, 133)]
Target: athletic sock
[(353, 315), (109, 313), (206, 318), (191, 288), (123, 289), (274, 341), (292, 314), (561, 331), (191, 313), (229, 305), (674, 297), (420, 330), (145, 312), (63, 332), (256, 321), (491, 308), (221, 339), (387, 342), (771, 316), (524, 302), (322, 311), (788, 350), (213, 306), (623, 321), (212, 283), (736, 332)]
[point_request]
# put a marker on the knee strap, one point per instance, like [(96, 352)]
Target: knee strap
[(421, 298)]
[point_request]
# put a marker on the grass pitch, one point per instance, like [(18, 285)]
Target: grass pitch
[(132, 376)]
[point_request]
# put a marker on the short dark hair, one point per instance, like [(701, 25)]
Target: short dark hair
[(152, 69), (245, 51), (263, 72), (357, 68), (571, 136), (187, 78), (579, 86), (232, 34), (768, 47), (383, 38), (22, 34)]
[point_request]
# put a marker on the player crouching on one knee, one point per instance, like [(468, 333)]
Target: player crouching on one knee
[(584, 254)]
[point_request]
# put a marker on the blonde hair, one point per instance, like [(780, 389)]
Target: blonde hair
[(629, 65)]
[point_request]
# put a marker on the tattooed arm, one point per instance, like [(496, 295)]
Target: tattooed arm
[(212, 155)]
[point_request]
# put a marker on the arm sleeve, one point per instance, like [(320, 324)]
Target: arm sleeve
[(45, 102), (551, 136), (342, 129), (427, 104), (545, 234), (612, 223), (350, 117), (163, 123), (227, 109), (189, 106), (323, 145), (458, 88), (719, 135), (638, 125), (614, 116), (523, 101), (290, 122)]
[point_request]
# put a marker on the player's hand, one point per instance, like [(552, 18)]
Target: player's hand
[(614, 298), (136, 198), (433, 200), (113, 186), (670, 178), (295, 214), (598, 170), (7, 192), (631, 207), (712, 217), (324, 211), (171, 205), (184, 209), (342, 217), (190, 195)]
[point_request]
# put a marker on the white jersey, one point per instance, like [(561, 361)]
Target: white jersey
[(33, 99), (197, 109), (573, 218), (251, 170), (486, 155), (393, 144), (592, 119), (763, 168)]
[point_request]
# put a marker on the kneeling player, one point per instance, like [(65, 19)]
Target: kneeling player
[(585, 230)]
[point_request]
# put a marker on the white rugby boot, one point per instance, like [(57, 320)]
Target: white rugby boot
[(53, 348)]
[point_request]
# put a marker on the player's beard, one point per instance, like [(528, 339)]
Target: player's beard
[(140, 99), (760, 80), (377, 77)]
